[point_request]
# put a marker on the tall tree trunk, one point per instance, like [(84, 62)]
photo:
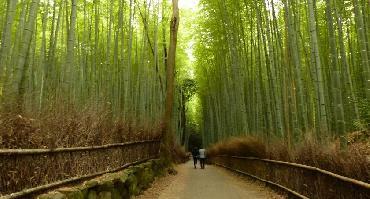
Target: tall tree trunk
[(6, 37), (183, 118), (294, 50), (363, 46), (43, 56), (127, 78), (336, 77), (273, 75), (69, 64), (17, 91), (345, 64), (170, 77), (323, 123)]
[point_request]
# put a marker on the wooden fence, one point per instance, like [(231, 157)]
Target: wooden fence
[(31, 170), (300, 180)]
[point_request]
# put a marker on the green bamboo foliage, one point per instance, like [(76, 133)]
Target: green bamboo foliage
[(362, 42), (282, 69), (6, 35), (78, 54), (275, 68)]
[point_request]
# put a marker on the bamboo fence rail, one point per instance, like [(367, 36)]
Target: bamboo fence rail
[(41, 188), (26, 171), (10, 152), (295, 194), (296, 178), (339, 177)]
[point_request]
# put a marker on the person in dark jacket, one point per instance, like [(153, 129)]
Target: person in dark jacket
[(195, 154)]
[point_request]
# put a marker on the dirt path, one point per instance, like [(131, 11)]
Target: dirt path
[(212, 182)]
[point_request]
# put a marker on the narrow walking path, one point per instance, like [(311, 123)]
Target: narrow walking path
[(212, 182)]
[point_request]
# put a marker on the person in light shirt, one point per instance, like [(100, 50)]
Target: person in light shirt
[(202, 157)]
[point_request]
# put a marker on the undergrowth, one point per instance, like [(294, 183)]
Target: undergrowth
[(179, 154), (58, 128), (352, 162), (63, 128)]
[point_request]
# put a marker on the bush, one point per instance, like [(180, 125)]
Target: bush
[(58, 128), (241, 146), (352, 162), (179, 154)]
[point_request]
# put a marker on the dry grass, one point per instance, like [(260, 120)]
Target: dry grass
[(25, 171), (241, 146), (60, 129), (179, 154), (69, 129), (352, 162)]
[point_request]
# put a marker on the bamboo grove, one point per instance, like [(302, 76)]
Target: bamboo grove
[(283, 68), (77, 54)]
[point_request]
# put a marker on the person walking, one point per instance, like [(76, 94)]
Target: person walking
[(202, 158), (195, 154)]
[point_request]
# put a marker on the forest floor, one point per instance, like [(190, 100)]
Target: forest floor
[(212, 182)]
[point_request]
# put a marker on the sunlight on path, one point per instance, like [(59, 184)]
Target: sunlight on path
[(213, 183)]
